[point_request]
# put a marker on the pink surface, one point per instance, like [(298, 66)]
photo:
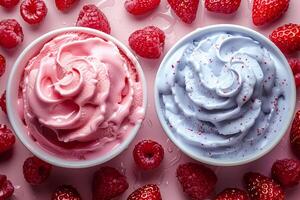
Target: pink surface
[(122, 25)]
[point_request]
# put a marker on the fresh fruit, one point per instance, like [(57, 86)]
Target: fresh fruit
[(11, 33), (295, 134), (287, 38), (185, 10), (232, 194), (222, 6), (286, 172), (64, 5), (197, 181), (6, 188), (36, 171), (66, 192), (295, 66), (261, 187), (148, 42), (108, 183), (90, 16), (140, 7), (148, 154), (147, 192), (2, 65), (3, 102), (33, 11), (266, 11), (9, 3), (7, 139)]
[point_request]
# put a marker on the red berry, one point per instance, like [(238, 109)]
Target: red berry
[(66, 192), (287, 38), (6, 188), (295, 135), (36, 171), (33, 11), (197, 181), (286, 172), (148, 154), (108, 183), (9, 3), (90, 16), (140, 7), (222, 6), (2, 65), (185, 10), (147, 192), (295, 66), (11, 33), (266, 11), (148, 42), (64, 5), (232, 194), (262, 188), (7, 139), (3, 102)]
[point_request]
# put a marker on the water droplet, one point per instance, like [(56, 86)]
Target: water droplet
[(149, 123), (123, 168), (170, 146), (175, 160), (165, 20), (250, 3), (105, 4)]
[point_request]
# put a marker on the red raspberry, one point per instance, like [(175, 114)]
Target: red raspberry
[(286, 172), (9, 3), (140, 7), (197, 181), (3, 102), (222, 6), (108, 183), (185, 10), (148, 42), (147, 192), (295, 66), (2, 65), (36, 171), (11, 33), (64, 5), (90, 16), (33, 11), (232, 194), (6, 188), (7, 139), (66, 192), (148, 154), (295, 135)]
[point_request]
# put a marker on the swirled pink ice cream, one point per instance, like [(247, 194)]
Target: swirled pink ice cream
[(80, 92)]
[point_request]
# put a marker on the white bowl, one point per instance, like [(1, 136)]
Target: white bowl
[(17, 124), (194, 151)]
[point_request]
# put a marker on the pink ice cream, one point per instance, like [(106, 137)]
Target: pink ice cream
[(80, 92)]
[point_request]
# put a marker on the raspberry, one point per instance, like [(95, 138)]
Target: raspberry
[(33, 11), (232, 194), (197, 181), (295, 66), (148, 42), (140, 7), (66, 192), (222, 6), (90, 16), (9, 3), (36, 171), (7, 139), (11, 33), (2, 65), (147, 192), (148, 154), (6, 188), (3, 102), (295, 135), (64, 5), (185, 10), (108, 183), (286, 172)]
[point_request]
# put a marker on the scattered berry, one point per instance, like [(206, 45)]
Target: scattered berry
[(185, 10), (11, 33), (108, 183), (222, 6), (2, 65), (64, 5), (6, 188), (7, 139), (9, 3), (3, 102), (147, 192), (148, 154), (262, 188), (266, 11), (36, 171), (90, 16), (295, 135), (148, 42), (286, 172), (232, 194), (66, 192), (197, 181), (295, 66), (33, 11), (140, 7)]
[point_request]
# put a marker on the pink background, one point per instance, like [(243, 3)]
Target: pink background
[(122, 25)]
